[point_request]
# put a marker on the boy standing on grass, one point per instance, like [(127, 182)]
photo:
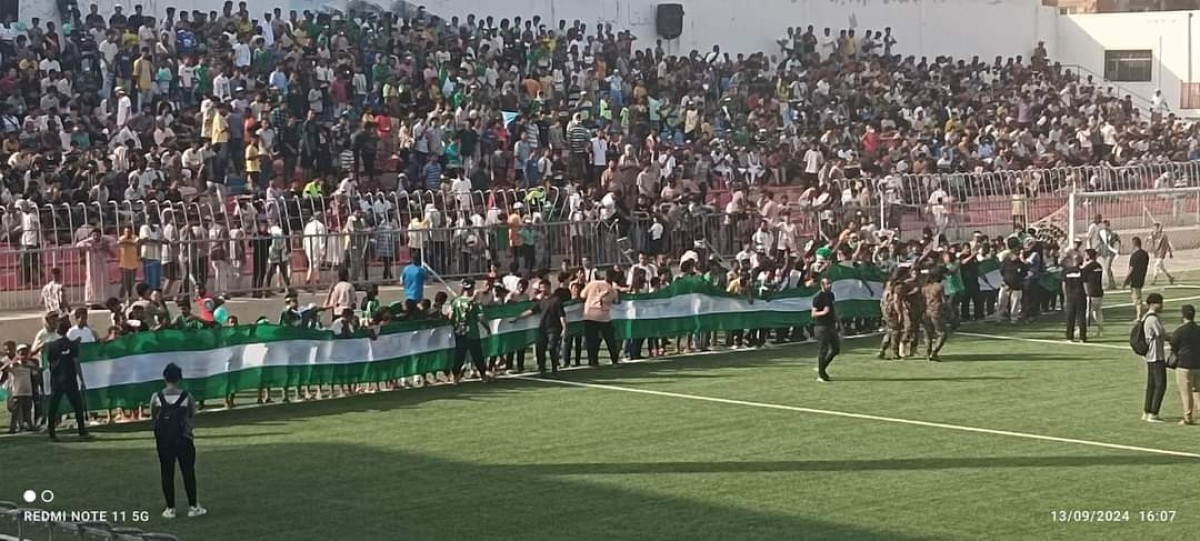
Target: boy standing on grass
[(174, 413), (17, 372)]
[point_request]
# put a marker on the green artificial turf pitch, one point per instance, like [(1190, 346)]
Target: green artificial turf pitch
[(530, 460)]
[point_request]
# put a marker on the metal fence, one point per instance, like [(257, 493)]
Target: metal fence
[(988, 202), (996, 202), (251, 257)]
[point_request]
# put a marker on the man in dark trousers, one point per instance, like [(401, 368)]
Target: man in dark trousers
[(1093, 286), (174, 413), (551, 325), (1074, 298), (1139, 263), (825, 329), (466, 318), (1185, 344), (66, 379)]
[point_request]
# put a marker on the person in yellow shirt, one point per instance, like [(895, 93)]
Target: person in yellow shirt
[(515, 242), (219, 131), (143, 74), (254, 156), (129, 38), (128, 261)]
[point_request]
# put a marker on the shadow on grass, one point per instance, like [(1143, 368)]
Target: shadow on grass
[(319, 491)]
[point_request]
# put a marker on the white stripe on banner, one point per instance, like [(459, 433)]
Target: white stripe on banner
[(214, 362)]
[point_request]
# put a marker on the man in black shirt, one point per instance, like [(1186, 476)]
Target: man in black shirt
[(1185, 344), (825, 329), (1012, 276), (551, 325), (1074, 299), (1139, 262), (66, 379), (1093, 286)]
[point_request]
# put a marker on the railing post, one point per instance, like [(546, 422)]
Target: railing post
[(1071, 197)]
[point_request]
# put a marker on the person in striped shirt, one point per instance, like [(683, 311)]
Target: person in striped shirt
[(54, 297)]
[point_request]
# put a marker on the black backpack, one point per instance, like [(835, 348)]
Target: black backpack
[(169, 425), (1137, 336)]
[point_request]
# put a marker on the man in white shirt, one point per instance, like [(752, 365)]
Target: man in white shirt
[(599, 157), (124, 107), (645, 266), (461, 188), (81, 332), (151, 244), (31, 241), (813, 159), (241, 54), (221, 87)]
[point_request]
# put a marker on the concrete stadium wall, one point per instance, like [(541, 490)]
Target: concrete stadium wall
[(922, 27), (1083, 39)]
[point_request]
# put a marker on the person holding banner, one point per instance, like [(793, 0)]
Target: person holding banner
[(598, 298), (466, 317), (66, 380)]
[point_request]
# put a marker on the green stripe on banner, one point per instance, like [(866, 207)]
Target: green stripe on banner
[(218, 362)]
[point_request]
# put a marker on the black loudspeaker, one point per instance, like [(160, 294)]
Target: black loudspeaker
[(10, 8), (669, 20)]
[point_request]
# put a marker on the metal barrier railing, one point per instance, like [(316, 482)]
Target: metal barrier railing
[(230, 253), (463, 233)]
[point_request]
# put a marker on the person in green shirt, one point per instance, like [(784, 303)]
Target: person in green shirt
[(370, 303), (203, 80), (185, 321), (466, 319), (954, 286)]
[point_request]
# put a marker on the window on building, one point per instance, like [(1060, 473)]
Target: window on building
[(1128, 66), (1189, 97)]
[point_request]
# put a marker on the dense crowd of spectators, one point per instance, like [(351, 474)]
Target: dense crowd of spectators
[(131, 106)]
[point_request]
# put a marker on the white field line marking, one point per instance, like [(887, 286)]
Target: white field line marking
[(1038, 340), (866, 417), (1064, 342)]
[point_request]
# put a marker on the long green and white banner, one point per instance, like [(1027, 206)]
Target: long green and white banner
[(217, 362)]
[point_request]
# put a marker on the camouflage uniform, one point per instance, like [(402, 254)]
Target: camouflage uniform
[(936, 318), (912, 311), (891, 307)]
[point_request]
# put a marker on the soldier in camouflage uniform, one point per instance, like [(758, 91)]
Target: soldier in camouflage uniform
[(912, 311), (936, 316), (891, 307)]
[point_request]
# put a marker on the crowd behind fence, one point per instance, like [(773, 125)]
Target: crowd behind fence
[(464, 233), (265, 261), (995, 202)]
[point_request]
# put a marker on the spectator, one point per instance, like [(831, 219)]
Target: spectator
[(1185, 347), (1156, 357), (17, 371), (96, 251)]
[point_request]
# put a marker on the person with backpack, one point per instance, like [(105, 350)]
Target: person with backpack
[(1148, 339), (174, 413)]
